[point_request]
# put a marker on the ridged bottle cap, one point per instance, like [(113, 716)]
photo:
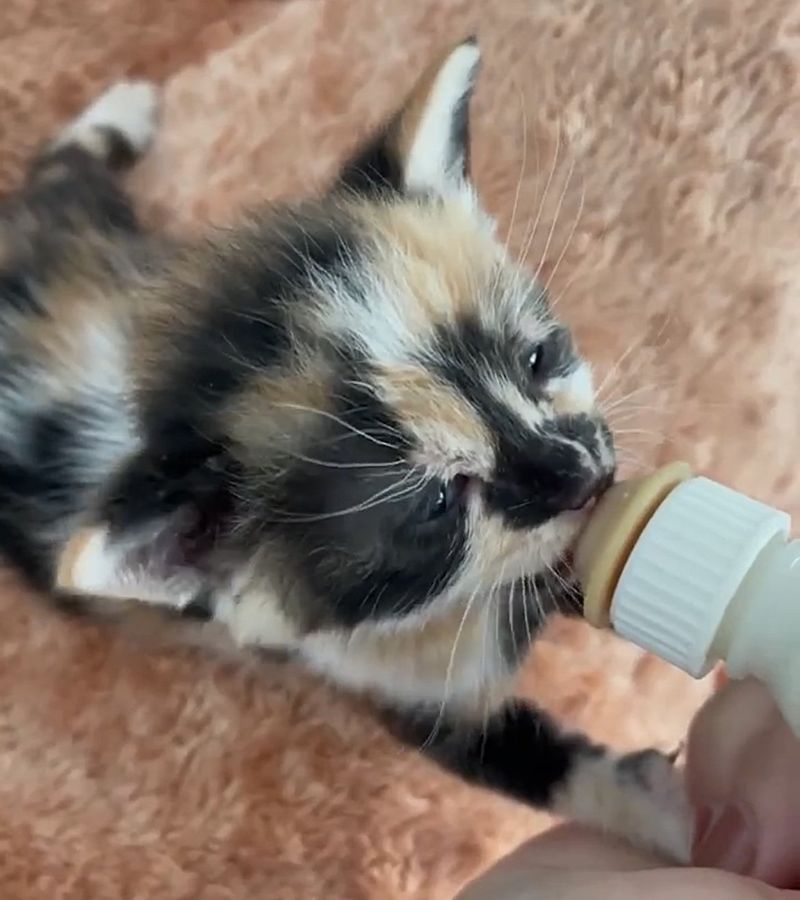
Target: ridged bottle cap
[(686, 568)]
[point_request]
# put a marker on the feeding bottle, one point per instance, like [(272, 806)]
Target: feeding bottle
[(697, 573)]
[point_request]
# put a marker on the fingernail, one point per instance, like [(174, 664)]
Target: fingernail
[(724, 838)]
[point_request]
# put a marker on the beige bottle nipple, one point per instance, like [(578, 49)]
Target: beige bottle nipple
[(615, 525)]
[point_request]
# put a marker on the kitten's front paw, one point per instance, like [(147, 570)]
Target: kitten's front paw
[(640, 796), (659, 809)]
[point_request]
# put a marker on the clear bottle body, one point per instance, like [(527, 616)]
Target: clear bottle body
[(705, 574), (760, 633)]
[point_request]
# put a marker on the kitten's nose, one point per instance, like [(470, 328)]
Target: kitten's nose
[(534, 494)]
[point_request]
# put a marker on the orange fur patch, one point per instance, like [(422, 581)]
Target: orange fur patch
[(438, 253), (444, 422), (272, 410)]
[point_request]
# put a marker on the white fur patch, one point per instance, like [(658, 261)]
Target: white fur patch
[(574, 393), (645, 803), (400, 661), (251, 612), (380, 327), (129, 107), (509, 396), (434, 162), (92, 564)]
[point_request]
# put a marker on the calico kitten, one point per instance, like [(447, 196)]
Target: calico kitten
[(350, 429)]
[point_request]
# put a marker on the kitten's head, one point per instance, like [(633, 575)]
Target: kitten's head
[(398, 421)]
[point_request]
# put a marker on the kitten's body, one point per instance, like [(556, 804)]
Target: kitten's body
[(350, 429)]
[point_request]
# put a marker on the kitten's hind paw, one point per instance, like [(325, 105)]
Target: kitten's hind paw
[(118, 126)]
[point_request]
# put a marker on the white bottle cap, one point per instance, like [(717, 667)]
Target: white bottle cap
[(686, 568)]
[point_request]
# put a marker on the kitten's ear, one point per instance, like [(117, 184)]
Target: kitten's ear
[(425, 147), (151, 532)]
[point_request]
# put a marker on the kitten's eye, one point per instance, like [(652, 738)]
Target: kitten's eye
[(536, 360), (441, 502), (444, 498)]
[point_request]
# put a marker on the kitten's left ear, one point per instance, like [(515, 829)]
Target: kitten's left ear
[(425, 147)]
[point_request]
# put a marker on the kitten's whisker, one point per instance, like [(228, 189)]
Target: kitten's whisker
[(562, 581), (569, 590), (638, 345), (377, 499), (449, 672), (510, 601), (631, 412), (611, 403), (530, 226), (330, 464), (522, 168), (526, 616), (568, 241), (556, 217), (538, 600), (535, 227), (612, 372), (339, 421), (381, 592), (576, 273), (484, 676), (642, 432), (628, 459)]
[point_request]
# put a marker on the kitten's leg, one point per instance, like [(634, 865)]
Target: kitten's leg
[(521, 752), (72, 181)]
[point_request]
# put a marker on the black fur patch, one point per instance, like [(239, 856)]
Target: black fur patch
[(354, 515), (68, 186), (26, 503), (374, 169), (19, 548), (17, 294), (201, 608), (519, 752), (246, 328), (52, 436), (48, 486), (120, 153), (152, 487), (539, 477)]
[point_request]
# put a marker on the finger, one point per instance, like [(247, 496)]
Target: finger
[(653, 884), (762, 838), (744, 775), (722, 729), (546, 858), (577, 847)]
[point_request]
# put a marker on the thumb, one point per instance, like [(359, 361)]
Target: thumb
[(574, 863)]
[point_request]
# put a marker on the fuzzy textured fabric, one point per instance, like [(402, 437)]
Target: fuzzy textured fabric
[(646, 158)]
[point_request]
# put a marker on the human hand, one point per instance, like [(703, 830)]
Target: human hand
[(743, 777), (574, 863)]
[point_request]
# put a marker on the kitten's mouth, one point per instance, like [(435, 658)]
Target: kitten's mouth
[(585, 514)]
